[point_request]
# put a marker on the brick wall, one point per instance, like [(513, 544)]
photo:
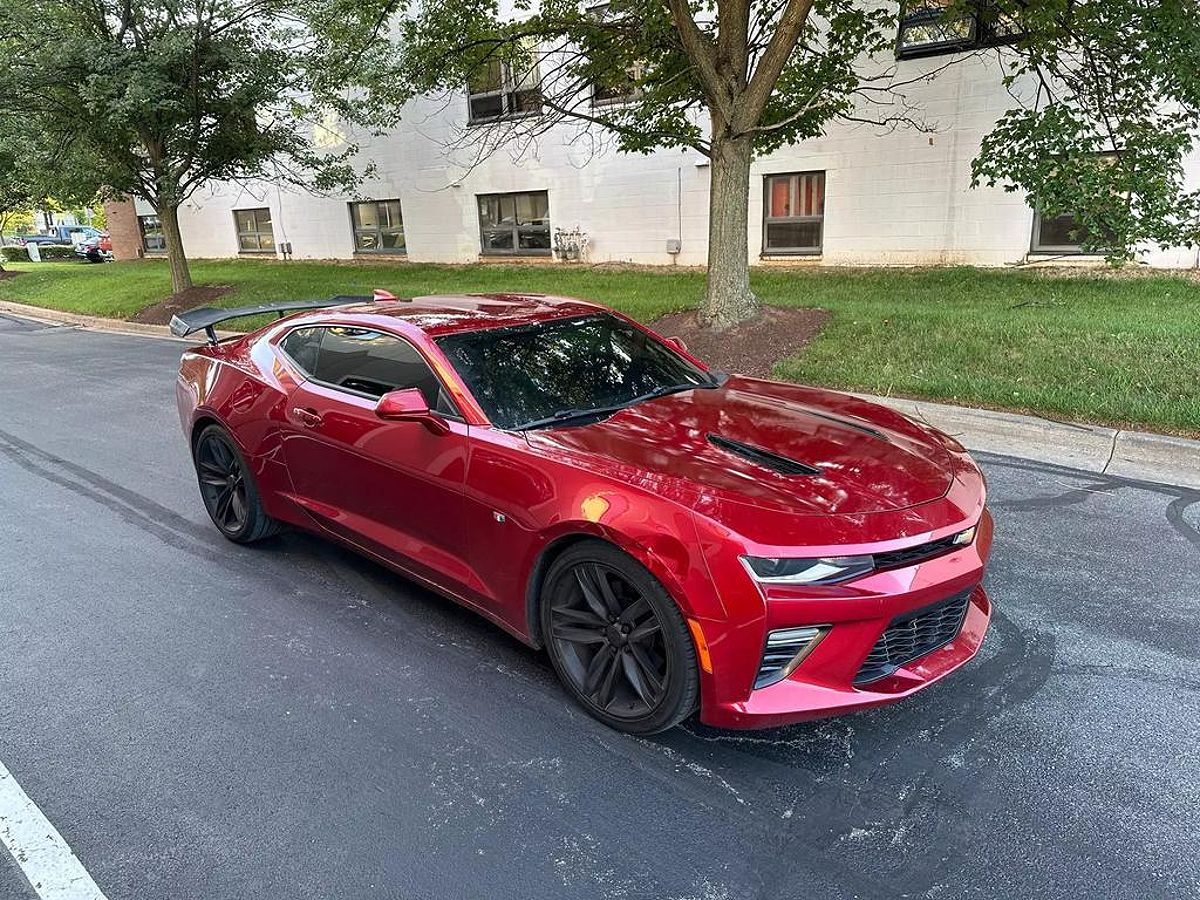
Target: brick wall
[(123, 229)]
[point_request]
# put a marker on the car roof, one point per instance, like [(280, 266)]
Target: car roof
[(441, 314)]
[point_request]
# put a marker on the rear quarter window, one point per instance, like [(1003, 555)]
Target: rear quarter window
[(303, 345)]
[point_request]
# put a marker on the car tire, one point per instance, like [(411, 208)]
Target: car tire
[(236, 506), (617, 640)]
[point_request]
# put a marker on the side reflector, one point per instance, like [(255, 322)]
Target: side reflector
[(701, 645)]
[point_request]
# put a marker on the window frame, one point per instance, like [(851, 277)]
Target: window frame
[(517, 249), (455, 414), (142, 232), (507, 91), (983, 33), (257, 233), (767, 218), (379, 232)]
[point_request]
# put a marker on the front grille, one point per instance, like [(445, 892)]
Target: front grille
[(912, 635), (911, 555)]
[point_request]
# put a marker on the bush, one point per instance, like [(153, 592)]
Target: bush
[(48, 251)]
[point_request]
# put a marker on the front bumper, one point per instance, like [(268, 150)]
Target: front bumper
[(824, 683)]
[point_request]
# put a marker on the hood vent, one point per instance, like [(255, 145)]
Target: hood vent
[(766, 458)]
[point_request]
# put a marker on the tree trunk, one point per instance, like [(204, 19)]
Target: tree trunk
[(729, 299), (181, 275)]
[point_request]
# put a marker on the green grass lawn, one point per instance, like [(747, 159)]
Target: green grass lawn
[(1124, 351)]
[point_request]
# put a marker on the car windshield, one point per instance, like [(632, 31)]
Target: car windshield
[(566, 370)]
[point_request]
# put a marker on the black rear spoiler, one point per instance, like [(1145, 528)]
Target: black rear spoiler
[(206, 318)]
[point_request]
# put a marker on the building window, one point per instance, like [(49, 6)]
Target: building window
[(152, 234), (617, 87), (946, 26), (254, 230), (378, 227), (500, 89), (793, 213), (515, 223), (1057, 234)]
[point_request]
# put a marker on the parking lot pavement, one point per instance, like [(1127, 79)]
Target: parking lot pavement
[(200, 720)]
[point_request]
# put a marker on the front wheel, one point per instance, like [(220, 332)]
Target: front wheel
[(617, 640), (228, 490)]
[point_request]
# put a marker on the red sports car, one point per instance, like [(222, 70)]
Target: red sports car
[(675, 537)]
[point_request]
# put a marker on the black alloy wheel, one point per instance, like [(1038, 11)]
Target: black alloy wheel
[(617, 640), (228, 489)]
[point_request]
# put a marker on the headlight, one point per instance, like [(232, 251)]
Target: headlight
[(827, 570)]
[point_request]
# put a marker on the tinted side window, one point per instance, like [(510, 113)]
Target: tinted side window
[(302, 346), (374, 363)]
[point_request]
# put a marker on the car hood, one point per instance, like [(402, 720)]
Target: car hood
[(702, 445)]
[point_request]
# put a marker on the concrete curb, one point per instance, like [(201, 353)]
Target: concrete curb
[(96, 323), (1092, 448)]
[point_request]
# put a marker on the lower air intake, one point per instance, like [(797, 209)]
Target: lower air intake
[(913, 635), (785, 650)]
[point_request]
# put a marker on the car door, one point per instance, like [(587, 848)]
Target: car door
[(392, 488)]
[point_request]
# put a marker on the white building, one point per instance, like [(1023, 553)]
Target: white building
[(857, 196)]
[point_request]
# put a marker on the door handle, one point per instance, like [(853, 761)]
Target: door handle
[(307, 417)]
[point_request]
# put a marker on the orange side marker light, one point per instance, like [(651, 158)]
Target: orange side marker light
[(701, 645)]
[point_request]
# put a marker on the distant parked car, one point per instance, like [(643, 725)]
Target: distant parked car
[(65, 234), (95, 249)]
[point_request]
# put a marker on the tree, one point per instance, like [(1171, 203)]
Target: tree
[(1107, 110), (152, 98), (761, 73), (731, 78)]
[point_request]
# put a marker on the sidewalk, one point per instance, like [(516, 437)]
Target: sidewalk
[(1091, 448)]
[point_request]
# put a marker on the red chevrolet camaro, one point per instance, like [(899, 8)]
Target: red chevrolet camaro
[(676, 538)]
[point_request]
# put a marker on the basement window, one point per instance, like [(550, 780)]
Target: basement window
[(514, 224), (378, 227), (254, 230), (793, 213)]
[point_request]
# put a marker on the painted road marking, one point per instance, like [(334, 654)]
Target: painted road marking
[(38, 849)]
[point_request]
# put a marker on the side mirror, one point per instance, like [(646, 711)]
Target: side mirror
[(677, 343), (409, 405)]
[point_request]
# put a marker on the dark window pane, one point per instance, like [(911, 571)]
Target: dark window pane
[(393, 240), (528, 373), (244, 219), (374, 363), (366, 240), (527, 101), (534, 239), (1060, 232), (302, 345), (793, 235), (248, 242), (498, 240), (486, 78), (489, 106)]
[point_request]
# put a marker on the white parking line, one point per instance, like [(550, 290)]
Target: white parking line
[(39, 849)]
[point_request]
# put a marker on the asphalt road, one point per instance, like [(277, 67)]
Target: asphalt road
[(201, 720)]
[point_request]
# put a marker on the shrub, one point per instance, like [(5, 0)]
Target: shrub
[(48, 251)]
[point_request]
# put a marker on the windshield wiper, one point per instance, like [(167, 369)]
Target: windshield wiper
[(568, 415)]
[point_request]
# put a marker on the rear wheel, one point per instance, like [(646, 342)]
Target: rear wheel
[(228, 490), (617, 640)]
